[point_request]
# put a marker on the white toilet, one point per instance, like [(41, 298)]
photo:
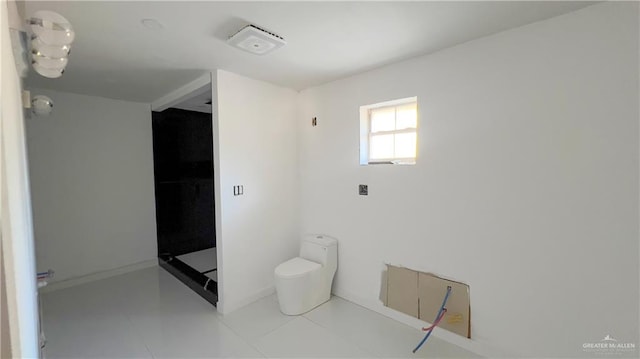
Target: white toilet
[(304, 282)]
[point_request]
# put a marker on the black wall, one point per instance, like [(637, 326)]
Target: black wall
[(183, 165)]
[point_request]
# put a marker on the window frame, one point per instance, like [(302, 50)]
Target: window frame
[(366, 135)]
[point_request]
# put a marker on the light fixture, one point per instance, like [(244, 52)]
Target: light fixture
[(256, 40), (49, 62), (37, 46), (51, 27), (47, 72), (51, 38), (41, 105)]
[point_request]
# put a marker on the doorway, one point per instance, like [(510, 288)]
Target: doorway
[(184, 192)]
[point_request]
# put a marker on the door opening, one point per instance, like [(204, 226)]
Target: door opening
[(184, 192)]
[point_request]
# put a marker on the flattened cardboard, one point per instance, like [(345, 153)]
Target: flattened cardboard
[(402, 290), (431, 292)]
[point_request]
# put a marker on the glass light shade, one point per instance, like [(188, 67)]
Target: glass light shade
[(51, 28), (39, 47), (47, 72), (58, 63), (41, 105)]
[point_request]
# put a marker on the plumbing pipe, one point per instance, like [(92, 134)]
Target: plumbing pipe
[(438, 318)]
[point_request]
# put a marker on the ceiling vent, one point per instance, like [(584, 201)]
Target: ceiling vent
[(256, 40)]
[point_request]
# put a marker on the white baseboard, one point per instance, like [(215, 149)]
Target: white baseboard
[(226, 308), (471, 345), (72, 282)]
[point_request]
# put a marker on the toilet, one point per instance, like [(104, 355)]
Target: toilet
[(304, 282)]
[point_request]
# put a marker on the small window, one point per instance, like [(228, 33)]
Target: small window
[(388, 132)]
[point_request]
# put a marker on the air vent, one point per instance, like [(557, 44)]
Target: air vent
[(256, 40)]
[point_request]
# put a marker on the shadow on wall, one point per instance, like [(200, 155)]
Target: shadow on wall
[(383, 286), (107, 82)]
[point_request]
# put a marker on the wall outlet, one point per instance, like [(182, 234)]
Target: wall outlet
[(314, 122), (363, 190)]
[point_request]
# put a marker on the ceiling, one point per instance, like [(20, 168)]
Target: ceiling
[(116, 56)]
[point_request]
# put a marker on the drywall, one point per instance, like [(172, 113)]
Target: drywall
[(91, 164), (5, 329), (16, 230), (256, 149), (525, 187)]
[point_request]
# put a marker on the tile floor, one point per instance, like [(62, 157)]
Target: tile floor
[(202, 261), (150, 314)]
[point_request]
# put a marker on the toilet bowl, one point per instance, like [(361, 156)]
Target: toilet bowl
[(304, 282)]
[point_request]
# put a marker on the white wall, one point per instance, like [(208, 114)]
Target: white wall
[(257, 149), (16, 230), (525, 187), (5, 325), (91, 164)]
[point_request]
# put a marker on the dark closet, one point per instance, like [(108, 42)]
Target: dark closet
[(183, 167)]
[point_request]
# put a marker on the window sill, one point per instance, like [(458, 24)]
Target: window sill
[(405, 163)]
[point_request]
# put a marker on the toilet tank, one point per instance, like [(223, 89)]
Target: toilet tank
[(319, 249)]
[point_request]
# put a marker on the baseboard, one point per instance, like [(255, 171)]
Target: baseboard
[(474, 346), (72, 282), (226, 308)]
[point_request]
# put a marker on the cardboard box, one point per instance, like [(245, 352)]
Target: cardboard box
[(402, 290), (420, 295), (431, 292)]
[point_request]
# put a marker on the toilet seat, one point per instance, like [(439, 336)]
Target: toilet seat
[(296, 267)]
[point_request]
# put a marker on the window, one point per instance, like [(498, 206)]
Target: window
[(388, 132)]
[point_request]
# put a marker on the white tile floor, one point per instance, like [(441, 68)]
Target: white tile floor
[(202, 261), (150, 314)]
